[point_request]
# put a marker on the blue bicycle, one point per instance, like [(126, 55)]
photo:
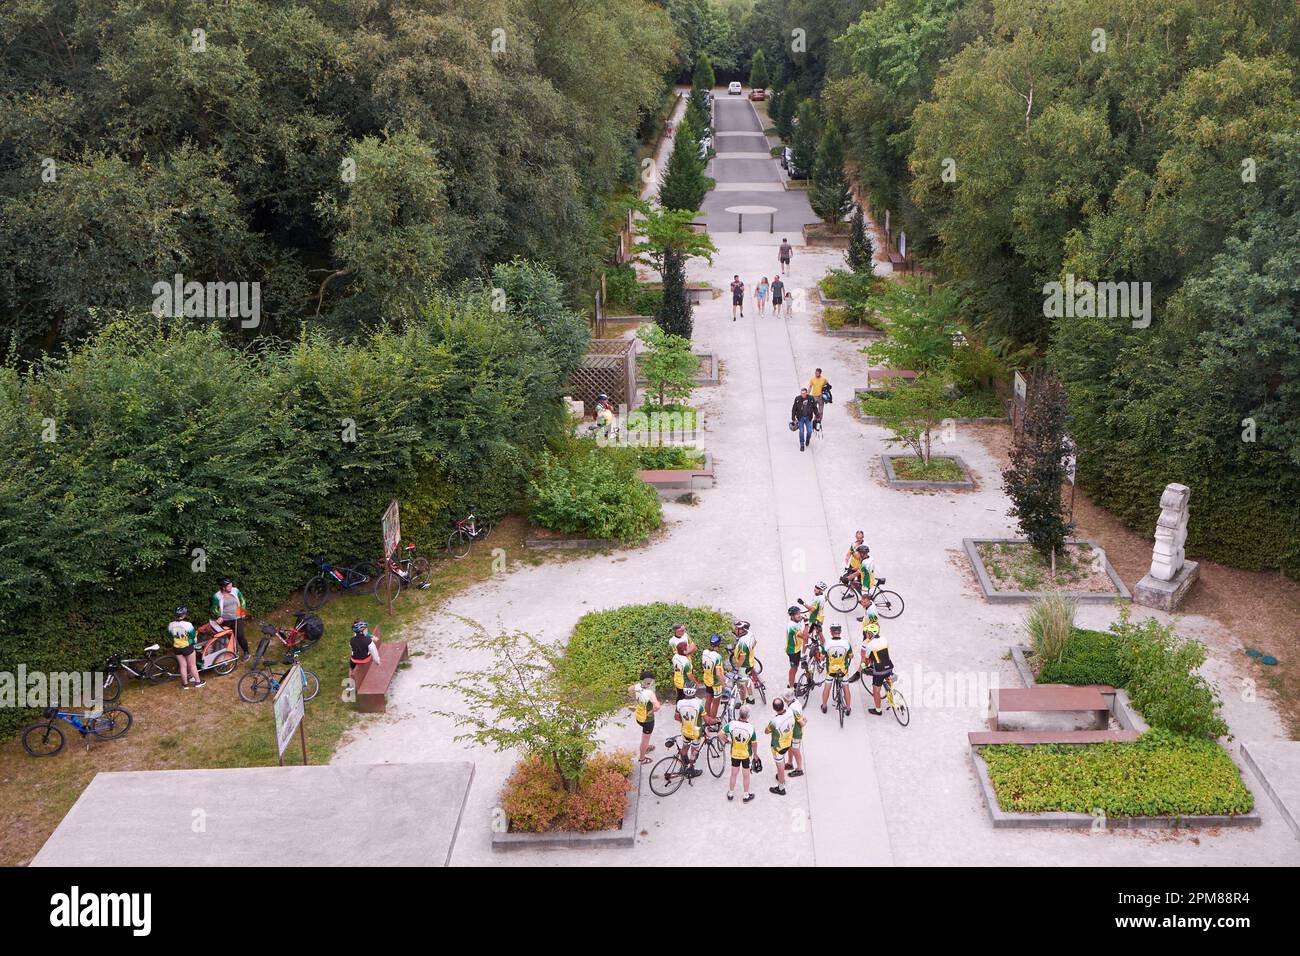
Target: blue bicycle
[(45, 738)]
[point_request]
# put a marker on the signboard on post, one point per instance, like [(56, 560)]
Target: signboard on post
[(1020, 390), (392, 529), (902, 243), (289, 712), (1071, 459)]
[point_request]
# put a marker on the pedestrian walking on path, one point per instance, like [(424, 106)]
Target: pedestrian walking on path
[(784, 254), (802, 413), (760, 294), (778, 294), (817, 389), (737, 297)]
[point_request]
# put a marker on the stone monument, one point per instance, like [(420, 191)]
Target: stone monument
[(1171, 574)]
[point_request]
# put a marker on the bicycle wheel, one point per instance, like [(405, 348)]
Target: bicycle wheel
[(717, 756), (112, 688), (839, 701), (255, 687), (389, 588), (899, 706), (666, 776), (803, 687), (762, 691), (315, 593), (310, 685), (458, 543), (842, 597), (224, 663), (888, 604), (419, 572), (112, 723), (43, 739), (161, 668)]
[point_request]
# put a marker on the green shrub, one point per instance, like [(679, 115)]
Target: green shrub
[(611, 648), (594, 491), (669, 457), (1163, 682), (535, 801), (533, 797), (600, 801), (1089, 657), (1050, 622), (1160, 774)]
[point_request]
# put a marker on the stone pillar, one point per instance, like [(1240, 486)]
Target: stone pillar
[(1171, 574)]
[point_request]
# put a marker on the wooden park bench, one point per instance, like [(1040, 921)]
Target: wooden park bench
[(1050, 698), (372, 680)]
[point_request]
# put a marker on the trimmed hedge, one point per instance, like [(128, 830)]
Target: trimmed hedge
[(612, 648), (1089, 657), (156, 458), (1159, 774)]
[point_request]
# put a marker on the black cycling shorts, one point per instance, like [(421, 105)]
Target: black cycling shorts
[(185, 651), (878, 677), (737, 762), (794, 659), (648, 727)]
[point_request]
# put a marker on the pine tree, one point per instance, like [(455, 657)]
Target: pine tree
[(803, 137), (684, 184), (829, 191), (758, 78), (861, 252), (675, 311), (787, 100), (703, 79)]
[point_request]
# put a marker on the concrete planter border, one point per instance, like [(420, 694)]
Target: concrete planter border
[(994, 596), (892, 479), (857, 332), (823, 241), (1259, 764), (673, 482), (624, 836), (572, 544), (1003, 819)]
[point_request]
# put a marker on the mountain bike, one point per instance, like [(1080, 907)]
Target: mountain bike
[(411, 571), (846, 597), (330, 577), (306, 631), (465, 532), (260, 681), (45, 738), (152, 668)]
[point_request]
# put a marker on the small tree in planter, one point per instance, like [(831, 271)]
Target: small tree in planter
[(663, 231), (913, 412), (1038, 467), (829, 195), (922, 327), (524, 704), (676, 314), (861, 254), (668, 364)]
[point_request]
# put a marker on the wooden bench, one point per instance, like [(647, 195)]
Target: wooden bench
[(372, 680), (984, 738), (1050, 698)]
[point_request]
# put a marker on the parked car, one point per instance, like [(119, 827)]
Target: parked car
[(734, 89), (787, 163), (758, 94)]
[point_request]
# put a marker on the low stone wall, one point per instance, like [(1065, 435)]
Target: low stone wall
[(624, 836), (891, 479), (994, 596)]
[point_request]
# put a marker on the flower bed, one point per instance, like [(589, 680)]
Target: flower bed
[(1161, 774)]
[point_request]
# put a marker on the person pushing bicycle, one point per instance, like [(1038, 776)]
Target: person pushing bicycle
[(745, 660), (691, 715)]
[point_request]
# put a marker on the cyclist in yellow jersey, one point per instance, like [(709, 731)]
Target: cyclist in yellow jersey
[(839, 654), (781, 729), (682, 676), (870, 623), (679, 635), (740, 733), (745, 660), (796, 635), (851, 560), (794, 763), (876, 662), (647, 704), (866, 575), (690, 714), (713, 673)]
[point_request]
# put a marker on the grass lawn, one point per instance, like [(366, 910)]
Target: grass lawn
[(937, 469), (1018, 567), (211, 726), (1158, 775)]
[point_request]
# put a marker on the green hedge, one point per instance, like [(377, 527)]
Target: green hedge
[(156, 458), (1089, 657), (1159, 774), (583, 488), (611, 648)]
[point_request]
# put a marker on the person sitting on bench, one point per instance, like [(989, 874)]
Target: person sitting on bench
[(365, 646)]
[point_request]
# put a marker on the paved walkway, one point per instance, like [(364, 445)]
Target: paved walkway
[(874, 791)]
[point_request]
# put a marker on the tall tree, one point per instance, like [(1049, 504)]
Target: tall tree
[(829, 193), (804, 137), (676, 313), (1037, 471), (861, 254), (684, 184), (758, 78)]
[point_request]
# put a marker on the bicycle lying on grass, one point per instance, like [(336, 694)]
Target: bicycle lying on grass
[(152, 668), (45, 738)]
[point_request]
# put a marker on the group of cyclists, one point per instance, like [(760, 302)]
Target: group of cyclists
[(720, 698)]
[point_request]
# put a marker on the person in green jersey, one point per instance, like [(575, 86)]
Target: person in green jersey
[(794, 763), (780, 730), (645, 707), (796, 635), (740, 736)]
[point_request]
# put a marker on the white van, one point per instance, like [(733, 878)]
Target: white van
[(734, 88)]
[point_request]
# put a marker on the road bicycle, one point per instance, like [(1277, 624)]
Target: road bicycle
[(355, 577), (45, 738), (837, 695), (152, 668), (846, 597), (260, 681), (397, 575), (806, 681), (756, 670), (667, 775), (894, 699), (466, 531)]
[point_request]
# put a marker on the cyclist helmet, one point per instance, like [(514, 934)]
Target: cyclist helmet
[(794, 609), (688, 692), (819, 586), (181, 612), (602, 397), (863, 549), (835, 629), (224, 581), (871, 612), (359, 626), (741, 625), (715, 640)]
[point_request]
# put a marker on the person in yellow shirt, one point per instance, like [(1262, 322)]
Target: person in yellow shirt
[(815, 386), (839, 654), (645, 707), (682, 669), (781, 730), (740, 733)]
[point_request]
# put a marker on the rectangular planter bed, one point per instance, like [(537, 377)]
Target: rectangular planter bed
[(624, 836), (892, 479), (698, 291), (995, 596), (674, 482), (850, 331), (816, 236)]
